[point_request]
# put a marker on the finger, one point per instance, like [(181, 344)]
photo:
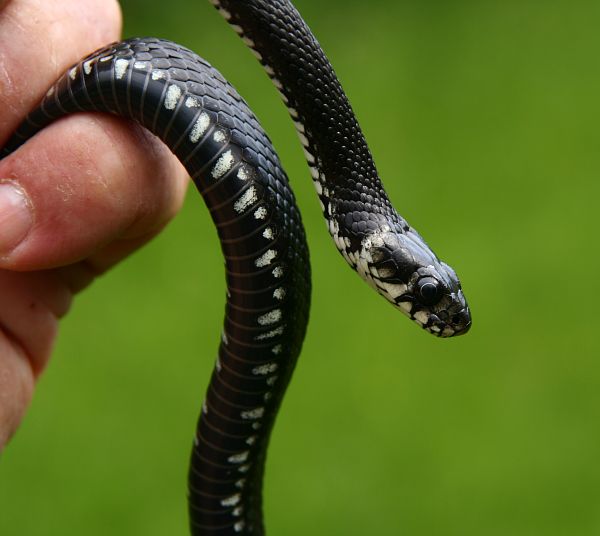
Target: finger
[(31, 305), (16, 386), (39, 40), (83, 183), (29, 310)]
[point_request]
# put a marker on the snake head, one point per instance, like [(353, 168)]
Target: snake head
[(403, 269)]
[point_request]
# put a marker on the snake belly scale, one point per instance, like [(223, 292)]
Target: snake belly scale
[(183, 100)]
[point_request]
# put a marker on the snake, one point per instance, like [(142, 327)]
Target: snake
[(185, 102)]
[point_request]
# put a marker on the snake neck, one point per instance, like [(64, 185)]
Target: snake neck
[(339, 158)]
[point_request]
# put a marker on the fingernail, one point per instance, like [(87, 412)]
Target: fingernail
[(16, 217)]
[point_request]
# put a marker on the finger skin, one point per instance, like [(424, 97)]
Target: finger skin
[(16, 386), (91, 180), (39, 40), (30, 308)]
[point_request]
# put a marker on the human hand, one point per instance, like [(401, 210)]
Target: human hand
[(74, 200)]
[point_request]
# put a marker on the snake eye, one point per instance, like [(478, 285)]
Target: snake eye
[(429, 291)]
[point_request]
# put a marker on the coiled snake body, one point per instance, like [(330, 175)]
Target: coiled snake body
[(187, 103)]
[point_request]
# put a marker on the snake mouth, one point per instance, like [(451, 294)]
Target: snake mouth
[(460, 323), (457, 324)]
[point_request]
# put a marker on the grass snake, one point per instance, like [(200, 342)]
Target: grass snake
[(183, 100)]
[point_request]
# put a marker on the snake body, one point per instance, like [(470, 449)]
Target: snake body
[(199, 115)]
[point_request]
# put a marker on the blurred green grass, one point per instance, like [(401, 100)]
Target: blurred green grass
[(483, 119)]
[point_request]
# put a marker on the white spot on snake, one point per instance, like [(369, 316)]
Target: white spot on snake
[(299, 127), (241, 482), (406, 307), (196, 441), (239, 526), (269, 70), (204, 407), (173, 95), (243, 174), (253, 414), (158, 75), (447, 331), (251, 440), (239, 458), (218, 365), (277, 84), (267, 396), (224, 338), (73, 73), (334, 227), (421, 317), (268, 233), (219, 136), (283, 95), (272, 317), (200, 127), (121, 68), (256, 53), (269, 334), (237, 512), (231, 501), (256, 425), (278, 272), (261, 213), (266, 259), (277, 349), (272, 380), (244, 468), (309, 157), (140, 65), (87, 66), (225, 13), (263, 370), (303, 139), (223, 165), (279, 293), (293, 113), (237, 29), (394, 290), (191, 102), (248, 42), (248, 198)]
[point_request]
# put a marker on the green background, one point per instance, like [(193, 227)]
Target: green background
[(483, 117)]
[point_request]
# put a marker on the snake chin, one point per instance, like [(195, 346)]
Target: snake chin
[(450, 322)]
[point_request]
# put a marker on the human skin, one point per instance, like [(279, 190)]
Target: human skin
[(77, 198)]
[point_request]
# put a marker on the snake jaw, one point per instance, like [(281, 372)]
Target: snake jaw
[(402, 268)]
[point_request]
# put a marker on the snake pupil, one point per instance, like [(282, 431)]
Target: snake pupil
[(429, 291)]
